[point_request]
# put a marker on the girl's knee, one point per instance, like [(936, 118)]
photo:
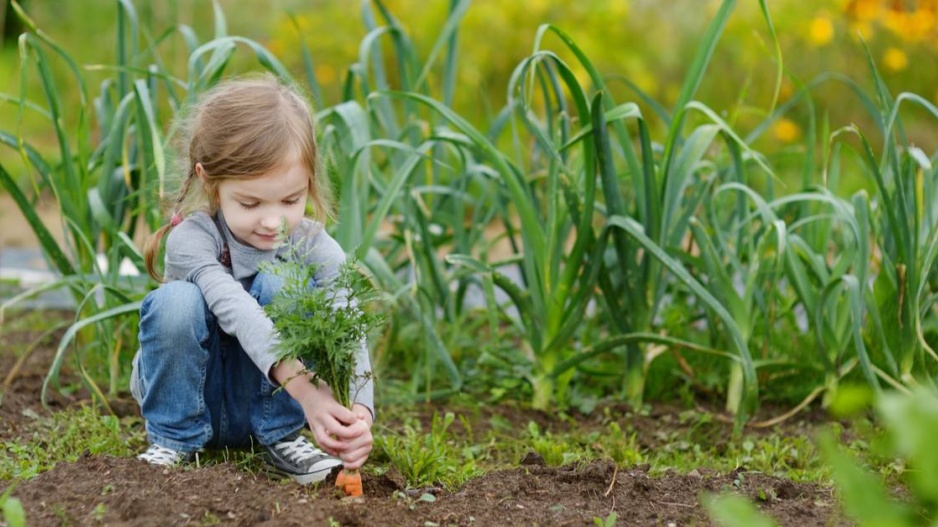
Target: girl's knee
[(174, 305), (265, 286)]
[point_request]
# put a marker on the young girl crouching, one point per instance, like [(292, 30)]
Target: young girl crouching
[(206, 375)]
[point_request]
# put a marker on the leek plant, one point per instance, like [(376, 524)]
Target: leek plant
[(399, 171), (550, 202), (668, 195), (887, 271), (96, 182), (905, 234), (109, 175)]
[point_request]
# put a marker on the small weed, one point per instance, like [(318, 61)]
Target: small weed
[(99, 511), (61, 514), (411, 502), (788, 456), (333, 522), (555, 452), (608, 521), (64, 437), (617, 445), (427, 459), (209, 519)]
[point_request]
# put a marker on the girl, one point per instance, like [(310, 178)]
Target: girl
[(206, 374)]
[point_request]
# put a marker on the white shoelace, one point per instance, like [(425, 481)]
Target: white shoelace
[(298, 449), (158, 455)]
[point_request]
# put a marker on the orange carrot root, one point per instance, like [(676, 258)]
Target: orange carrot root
[(350, 481)]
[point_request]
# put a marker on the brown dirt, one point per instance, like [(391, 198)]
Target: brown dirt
[(16, 231), (105, 490)]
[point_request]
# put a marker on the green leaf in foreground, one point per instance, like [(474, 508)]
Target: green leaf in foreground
[(11, 510), (730, 510)]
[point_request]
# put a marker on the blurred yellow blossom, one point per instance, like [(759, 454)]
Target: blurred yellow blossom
[(895, 59), (325, 74), (911, 21), (864, 10), (275, 46), (785, 130), (911, 26), (821, 31), (861, 30)]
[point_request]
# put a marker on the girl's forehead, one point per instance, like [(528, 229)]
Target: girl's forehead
[(284, 179)]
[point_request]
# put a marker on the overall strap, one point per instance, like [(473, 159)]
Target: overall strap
[(225, 257)]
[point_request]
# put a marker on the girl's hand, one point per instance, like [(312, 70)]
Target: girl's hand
[(358, 447), (327, 418), (337, 430)]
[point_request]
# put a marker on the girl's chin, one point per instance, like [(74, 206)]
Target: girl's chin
[(264, 243)]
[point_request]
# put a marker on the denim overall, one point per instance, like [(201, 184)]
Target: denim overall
[(195, 385)]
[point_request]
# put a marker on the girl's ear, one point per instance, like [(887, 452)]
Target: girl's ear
[(210, 188), (200, 172)]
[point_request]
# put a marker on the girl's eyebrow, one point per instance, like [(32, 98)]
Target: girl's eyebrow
[(299, 191)]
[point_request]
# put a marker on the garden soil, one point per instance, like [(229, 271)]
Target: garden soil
[(107, 490)]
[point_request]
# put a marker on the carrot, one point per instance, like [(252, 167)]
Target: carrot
[(329, 342), (350, 481)]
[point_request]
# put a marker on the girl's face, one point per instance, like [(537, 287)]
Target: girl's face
[(254, 207)]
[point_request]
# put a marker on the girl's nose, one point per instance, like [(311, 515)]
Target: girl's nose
[(271, 222)]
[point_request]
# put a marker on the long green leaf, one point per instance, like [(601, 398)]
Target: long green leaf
[(53, 373), (49, 245), (750, 382)]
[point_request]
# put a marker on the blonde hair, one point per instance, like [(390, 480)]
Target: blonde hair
[(241, 128)]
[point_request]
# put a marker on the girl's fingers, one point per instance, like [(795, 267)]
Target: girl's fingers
[(356, 458), (357, 450), (327, 442), (345, 432), (346, 417), (363, 413)]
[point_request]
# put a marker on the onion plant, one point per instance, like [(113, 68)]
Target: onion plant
[(400, 172), (905, 233), (107, 175), (600, 224)]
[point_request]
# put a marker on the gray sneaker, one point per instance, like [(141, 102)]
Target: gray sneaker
[(165, 457), (298, 459)]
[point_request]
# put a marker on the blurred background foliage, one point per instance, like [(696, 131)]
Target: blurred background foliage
[(729, 193), (645, 43)]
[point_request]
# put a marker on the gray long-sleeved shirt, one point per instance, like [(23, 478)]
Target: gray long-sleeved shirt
[(192, 251)]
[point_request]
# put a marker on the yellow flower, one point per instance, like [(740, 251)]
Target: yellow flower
[(785, 130), (276, 47), (895, 59), (821, 31), (864, 10), (325, 74), (862, 30)]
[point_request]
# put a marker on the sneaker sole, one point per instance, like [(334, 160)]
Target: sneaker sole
[(303, 479)]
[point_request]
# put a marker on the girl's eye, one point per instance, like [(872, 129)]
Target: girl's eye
[(291, 201), (249, 205)]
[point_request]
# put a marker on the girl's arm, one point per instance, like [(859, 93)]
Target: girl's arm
[(192, 251)]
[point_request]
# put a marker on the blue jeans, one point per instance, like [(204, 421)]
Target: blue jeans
[(195, 384)]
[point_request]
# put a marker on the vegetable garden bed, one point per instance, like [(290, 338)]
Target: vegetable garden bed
[(113, 488)]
